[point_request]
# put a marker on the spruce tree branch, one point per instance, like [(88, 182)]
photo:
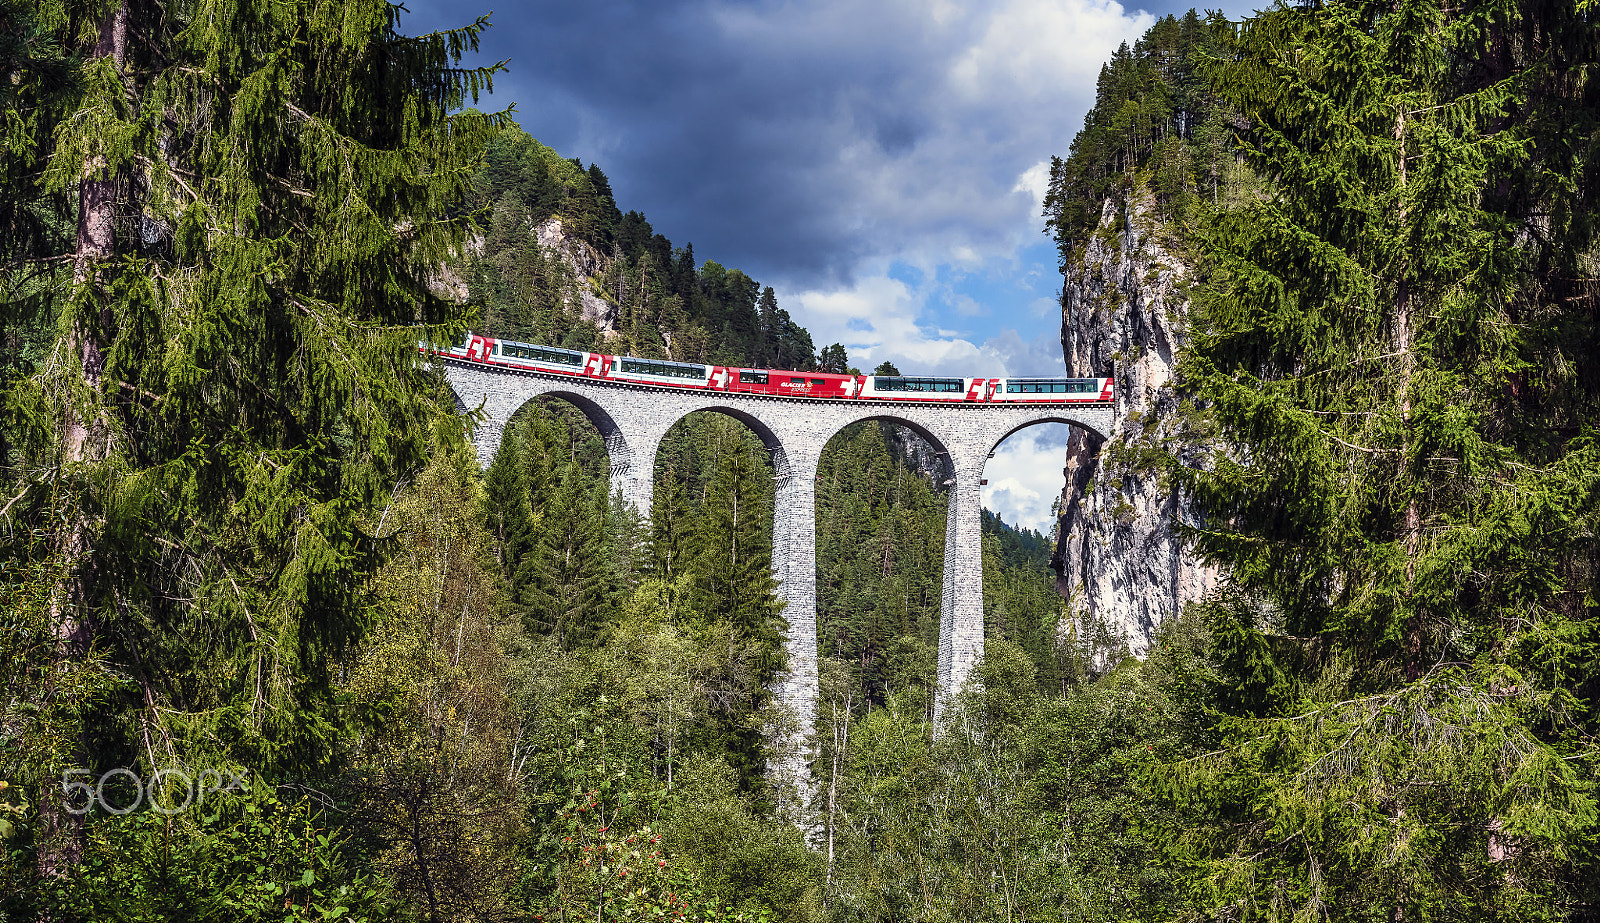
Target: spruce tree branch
[(293, 189), (13, 501), (1360, 448), (157, 398), (1314, 713), (175, 173), (1357, 361)]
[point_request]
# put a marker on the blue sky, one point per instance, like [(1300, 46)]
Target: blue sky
[(880, 163)]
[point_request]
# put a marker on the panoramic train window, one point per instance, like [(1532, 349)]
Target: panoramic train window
[(664, 369), (1053, 386), (543, 354), (754, 378), (886, 383)]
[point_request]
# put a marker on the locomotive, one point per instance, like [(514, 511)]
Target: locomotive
[(662, 373)]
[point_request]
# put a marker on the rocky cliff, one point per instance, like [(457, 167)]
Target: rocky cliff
[(1124, 307), (585, 263)]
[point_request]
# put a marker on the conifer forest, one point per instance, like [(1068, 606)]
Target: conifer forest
[(275, 646)]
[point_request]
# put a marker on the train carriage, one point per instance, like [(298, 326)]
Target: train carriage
[(1052, 390), (659, 372), (917, 388), (814, 385), (538, 358)]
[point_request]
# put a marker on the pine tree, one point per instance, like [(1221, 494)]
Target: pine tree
[(508, 514), (626, 546), (260, 191), (734, 566), (767, 308), (833, 359), (733, 585), (670, 527), (33, 226), (567, 587), (1396, 341)]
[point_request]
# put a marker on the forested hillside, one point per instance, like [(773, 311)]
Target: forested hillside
[(1157, 123), (559, 263)]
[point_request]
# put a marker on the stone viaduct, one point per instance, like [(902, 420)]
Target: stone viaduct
[(634, 418)]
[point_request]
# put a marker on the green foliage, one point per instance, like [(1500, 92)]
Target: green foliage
[(432, 787), (219, 370), (568, 591), (663, 303), (880, 557), (570, 550), (629, 735), (49, 703), (612, 872), (739, 857), (1155, 120), (1396, 342), (833, 359), (733, 570), (36, 95), (265, 855), (1020, 600), (1027, 805), (731, 582), (880, 564), (708, 550), (232, 386)]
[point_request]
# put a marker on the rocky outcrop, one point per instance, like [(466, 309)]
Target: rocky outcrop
[(446, 283), (1124, 311), (586, 263), (910, 448)]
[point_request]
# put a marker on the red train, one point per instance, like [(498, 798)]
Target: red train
[(811, 385)]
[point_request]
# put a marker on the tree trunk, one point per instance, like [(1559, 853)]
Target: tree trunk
[(83, 441), (1411, 524)]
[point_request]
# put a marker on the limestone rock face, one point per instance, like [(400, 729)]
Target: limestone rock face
[(446, 283), (585, 262), (1124, 310), (915, 451)]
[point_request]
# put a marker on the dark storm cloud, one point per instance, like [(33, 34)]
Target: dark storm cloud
[(715, 142), (805, 141)]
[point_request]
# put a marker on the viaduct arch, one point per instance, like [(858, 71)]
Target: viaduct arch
[(632, 419)]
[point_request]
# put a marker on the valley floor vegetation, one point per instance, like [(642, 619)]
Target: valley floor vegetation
[(243, 538)]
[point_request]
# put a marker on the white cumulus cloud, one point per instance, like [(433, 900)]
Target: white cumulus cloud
[(1025, 476)]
